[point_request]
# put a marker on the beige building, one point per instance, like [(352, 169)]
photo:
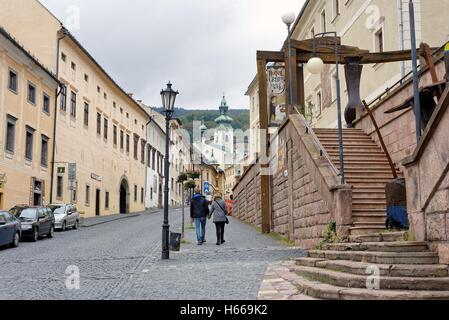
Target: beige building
[(374, 25), (229, 180), (27, 113), (100, 130)]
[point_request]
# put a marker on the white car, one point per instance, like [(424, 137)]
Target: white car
[(66, 216)]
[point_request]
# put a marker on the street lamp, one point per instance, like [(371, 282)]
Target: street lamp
[(203, 129), (168, 102), (315, 66), (289, 19), (417, 101)]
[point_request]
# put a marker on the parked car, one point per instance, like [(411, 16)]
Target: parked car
[(10, 230), (66, 216), (35, 221)]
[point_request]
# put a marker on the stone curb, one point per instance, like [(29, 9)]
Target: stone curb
[(87, 224)]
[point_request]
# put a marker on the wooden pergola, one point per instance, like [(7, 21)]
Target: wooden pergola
[(302, 52)]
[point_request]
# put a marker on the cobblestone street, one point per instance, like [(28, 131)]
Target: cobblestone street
[(121, 260)]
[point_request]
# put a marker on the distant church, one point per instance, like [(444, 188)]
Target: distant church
[(219, 147)]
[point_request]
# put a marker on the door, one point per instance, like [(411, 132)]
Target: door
[(97, 202), (3, 229), (44, 222)]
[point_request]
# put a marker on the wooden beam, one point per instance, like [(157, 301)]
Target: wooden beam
[(264, 148), (301, 102)]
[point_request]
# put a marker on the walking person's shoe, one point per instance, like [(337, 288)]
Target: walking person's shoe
[(200, 243), (218, 243), (223, 242)]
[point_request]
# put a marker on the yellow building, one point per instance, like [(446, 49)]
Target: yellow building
[(229, 180), (374, 25), (27, 113), (100, 150)]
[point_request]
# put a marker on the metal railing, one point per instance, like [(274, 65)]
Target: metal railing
[(317, 142)]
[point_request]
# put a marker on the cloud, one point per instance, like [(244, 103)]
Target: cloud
[(205, 47)]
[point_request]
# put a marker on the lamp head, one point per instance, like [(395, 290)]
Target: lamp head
[(168, 98), (289, 18), (315, 65)]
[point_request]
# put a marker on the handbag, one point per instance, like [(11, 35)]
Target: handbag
[(227, 220)]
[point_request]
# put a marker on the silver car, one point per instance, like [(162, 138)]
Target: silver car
[(66, 216)]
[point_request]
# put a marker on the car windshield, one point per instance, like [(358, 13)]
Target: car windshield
[(57, 209), (25, 214)]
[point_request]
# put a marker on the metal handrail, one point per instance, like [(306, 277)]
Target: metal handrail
[(317, 142)]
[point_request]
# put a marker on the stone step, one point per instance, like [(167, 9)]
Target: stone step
[(381, 237), (351, 147), (400, 246), (363, 218), (363, 181), (358, 231), (363, 195), (320, 290), (370, 225), (374, 168), (357, 155), (387, 270), (348, 280), (378, 257)]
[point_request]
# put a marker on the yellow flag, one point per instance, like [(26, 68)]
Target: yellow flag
[(446, 48)]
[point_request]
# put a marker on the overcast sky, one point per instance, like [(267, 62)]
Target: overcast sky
[(204, 47)]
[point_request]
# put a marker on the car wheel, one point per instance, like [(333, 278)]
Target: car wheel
[(35, 236), (51, 234), (64, 226), (76, 225), (15, 242)]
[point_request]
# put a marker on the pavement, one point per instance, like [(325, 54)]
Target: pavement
[(94, 221), (121, 260)]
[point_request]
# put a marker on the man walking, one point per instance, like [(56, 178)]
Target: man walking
[(199, 210)]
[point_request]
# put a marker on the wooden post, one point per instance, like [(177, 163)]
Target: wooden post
[(300, 91), (263, 157), (291, 227)]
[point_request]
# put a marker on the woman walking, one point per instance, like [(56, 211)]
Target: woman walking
[(220, 213)]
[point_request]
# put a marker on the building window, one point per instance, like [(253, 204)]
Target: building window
[(336, 8), (114, 105), (121, 140), (153, 161), (98, 124), (63, 98), (73, 105), (135, 193), (106, 200), (12, 81), (105, 129), (86, 78), (142, 195), (379, 40), (29, 143), (127, 143), (149, 156), (323, 21), (127, 115), (46, 103), (59, 187), (87, 195), (86, 114), (319, 103), (63, 57), (31, 96), (151, 194), (136, 145), (172, 183), (44, 150), (142, 151), (114, 135), (73, 66), (98, 89), (105, 95), (10, 133)]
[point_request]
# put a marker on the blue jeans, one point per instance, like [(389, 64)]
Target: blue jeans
[(200, 226)]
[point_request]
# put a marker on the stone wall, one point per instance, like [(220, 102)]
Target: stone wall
[(247, 198)]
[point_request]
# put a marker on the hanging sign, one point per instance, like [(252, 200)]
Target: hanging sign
[(276, 80)]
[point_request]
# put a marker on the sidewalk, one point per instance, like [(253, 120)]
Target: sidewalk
[(94, 221)]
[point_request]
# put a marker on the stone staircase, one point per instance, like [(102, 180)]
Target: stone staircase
[(367, 170), (407, 270)]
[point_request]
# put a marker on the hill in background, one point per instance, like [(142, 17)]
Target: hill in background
[(240, 116)]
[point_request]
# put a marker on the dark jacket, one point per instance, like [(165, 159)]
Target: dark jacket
[(199, 207)]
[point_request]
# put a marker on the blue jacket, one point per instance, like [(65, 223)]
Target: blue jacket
[(199, 207)]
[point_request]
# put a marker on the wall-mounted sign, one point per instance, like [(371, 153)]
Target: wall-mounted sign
[(95, 177), (276, 80)]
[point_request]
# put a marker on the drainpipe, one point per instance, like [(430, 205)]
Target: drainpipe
[(57, 93), (401, 33)]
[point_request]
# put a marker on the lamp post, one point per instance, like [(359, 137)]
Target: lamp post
[(168, 102), (203, 129), (416, 97), (315, 66), (289, 19)]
